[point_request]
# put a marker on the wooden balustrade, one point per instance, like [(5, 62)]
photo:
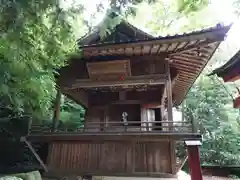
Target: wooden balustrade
[(121, 127)]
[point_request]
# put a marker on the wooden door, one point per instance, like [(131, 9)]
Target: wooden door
[(147, 119)]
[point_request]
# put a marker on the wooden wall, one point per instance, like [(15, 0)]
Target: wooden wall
[(77, 69), (110, 158), (104, 98)]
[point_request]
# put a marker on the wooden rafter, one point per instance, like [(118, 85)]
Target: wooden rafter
[(192, 47)]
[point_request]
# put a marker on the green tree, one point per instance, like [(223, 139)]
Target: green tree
[(36, 37), (209, 104), (164, 17)]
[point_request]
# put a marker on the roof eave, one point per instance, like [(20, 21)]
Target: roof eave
[(227, 66), (219, 32)]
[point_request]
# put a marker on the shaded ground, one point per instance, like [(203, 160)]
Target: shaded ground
[(145, 178), (186, 178)]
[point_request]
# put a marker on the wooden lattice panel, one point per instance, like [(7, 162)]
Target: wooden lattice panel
[(109, 69)]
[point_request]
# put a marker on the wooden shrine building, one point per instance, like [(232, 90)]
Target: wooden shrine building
[(230, 72), (129, 82)]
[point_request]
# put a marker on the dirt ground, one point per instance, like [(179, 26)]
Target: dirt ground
[(216, 178), (181, 175)]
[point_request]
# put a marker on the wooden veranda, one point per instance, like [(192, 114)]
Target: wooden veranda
[(128, 82)]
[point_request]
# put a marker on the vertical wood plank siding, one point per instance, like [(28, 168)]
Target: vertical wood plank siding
[(110, 157)]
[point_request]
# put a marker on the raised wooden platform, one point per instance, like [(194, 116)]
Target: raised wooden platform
[(132, 148)]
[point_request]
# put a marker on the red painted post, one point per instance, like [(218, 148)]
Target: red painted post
[(194, 160)]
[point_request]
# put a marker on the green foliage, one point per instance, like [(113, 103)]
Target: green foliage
[(35, 38), (110, 21), (72, 114), (188, 6), (236, 5), (164, 18), (209, 104), (127, 6)]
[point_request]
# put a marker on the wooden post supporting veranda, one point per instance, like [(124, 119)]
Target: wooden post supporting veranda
[(194, 159), (56, 114)]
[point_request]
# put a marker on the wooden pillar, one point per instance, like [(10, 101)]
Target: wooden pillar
[(194, 159), (169, 92), (183, 108), (170, 116), (56, 114), (102, 119)]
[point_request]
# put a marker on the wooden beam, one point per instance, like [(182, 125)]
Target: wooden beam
[(23, 139), (155, 79), (152, 105), (127, 102), (56, 174), (169, 93), (150, 57), (125, 136), (163, 103)]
